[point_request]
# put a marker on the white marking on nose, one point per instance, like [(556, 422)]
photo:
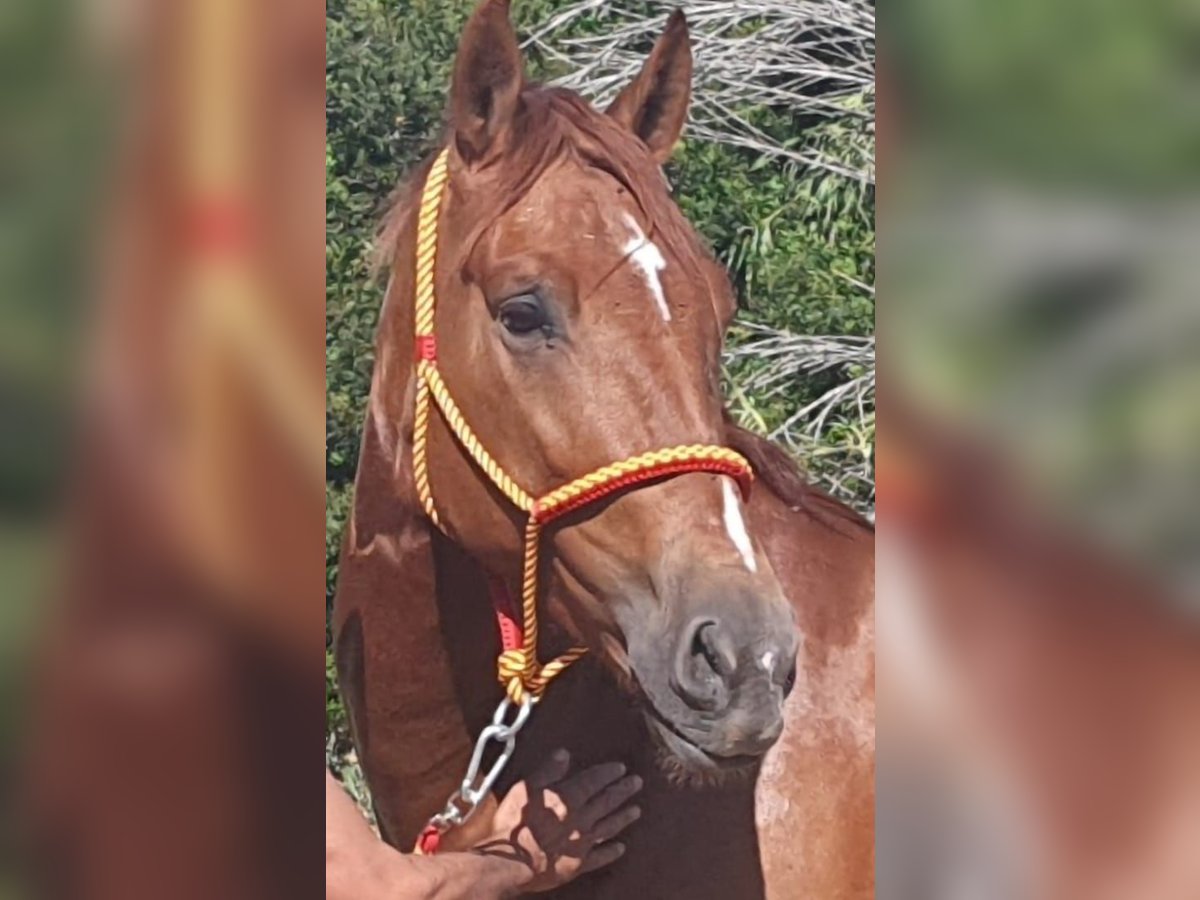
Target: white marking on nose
[(644, 254), (735, 525), (768, 661)]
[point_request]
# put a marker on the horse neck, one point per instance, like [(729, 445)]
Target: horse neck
[(823, 555)]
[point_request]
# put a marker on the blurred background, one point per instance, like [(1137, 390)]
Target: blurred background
[(160, 434), (1039, 677), (160, 401)]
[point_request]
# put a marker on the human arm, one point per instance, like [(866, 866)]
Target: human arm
[(359, 866), (548, 830)]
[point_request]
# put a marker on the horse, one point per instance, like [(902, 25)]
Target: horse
[(729, 639)]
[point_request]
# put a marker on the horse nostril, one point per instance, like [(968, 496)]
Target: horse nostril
[(704, 663), (705, 646)]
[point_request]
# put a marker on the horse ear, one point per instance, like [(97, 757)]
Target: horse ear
[(489, 74), (654, 105)]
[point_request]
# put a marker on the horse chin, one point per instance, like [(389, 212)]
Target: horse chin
[(689, 765)]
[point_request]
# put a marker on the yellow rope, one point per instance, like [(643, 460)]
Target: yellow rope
[(518, 668), (420, 437), (651, 460), (427, 219), (458, 424)]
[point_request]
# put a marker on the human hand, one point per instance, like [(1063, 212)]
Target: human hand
[(560, 827)]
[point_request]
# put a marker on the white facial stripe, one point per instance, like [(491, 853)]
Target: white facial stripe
[(768, 661), (735, 525), (645, 254)]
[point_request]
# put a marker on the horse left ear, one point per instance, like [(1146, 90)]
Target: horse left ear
[(489, 74), (654, 105)]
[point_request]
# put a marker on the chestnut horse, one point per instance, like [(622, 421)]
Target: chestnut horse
[(579, 322)]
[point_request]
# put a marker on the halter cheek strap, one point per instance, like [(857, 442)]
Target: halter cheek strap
[(518, 667)]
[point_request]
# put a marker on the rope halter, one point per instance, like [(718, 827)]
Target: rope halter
[(518, 668)]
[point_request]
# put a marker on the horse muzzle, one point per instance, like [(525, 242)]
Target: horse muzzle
[(715, 697)]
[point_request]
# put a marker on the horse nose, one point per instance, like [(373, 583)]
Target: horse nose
[(709, 667), (757, 739)]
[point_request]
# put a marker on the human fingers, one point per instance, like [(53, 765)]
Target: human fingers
[(580, 788), (609, 800), (608, 828), (601, 856)]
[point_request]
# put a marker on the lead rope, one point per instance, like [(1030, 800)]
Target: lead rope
[(523, 677)]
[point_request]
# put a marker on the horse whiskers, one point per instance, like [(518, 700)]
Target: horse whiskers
[(680, 775)]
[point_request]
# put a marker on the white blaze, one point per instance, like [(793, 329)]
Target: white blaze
[(645, 254), (735, 525)]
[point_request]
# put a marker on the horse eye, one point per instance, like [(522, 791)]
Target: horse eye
[(522, 315)]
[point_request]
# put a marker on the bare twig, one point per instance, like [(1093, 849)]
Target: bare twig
[(835, 432), (815, 57)]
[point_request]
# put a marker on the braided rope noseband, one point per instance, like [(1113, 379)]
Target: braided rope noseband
[(518, 667)]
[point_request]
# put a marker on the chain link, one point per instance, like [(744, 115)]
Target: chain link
[(461, 805)]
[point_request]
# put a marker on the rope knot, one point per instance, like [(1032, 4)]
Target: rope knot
[(512, 664)]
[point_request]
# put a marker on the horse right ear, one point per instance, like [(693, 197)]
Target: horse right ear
[(654, 105), (489, 74)]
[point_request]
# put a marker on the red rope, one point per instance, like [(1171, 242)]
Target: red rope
[(429, 840), (512, 634), (718, 467), (426, 347)]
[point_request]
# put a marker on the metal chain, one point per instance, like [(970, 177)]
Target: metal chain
[(461, 805)]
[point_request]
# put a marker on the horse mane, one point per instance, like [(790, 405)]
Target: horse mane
[(783, 477), (552, 123)]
